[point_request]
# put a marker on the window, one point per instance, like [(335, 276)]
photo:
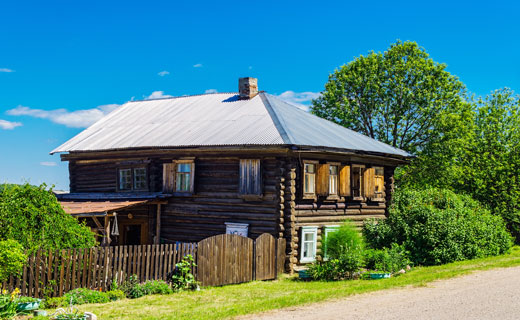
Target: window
[(250, 177), (125, 179), (139, 178), (183, 177), (357, 181), (309, 179), (327, 230), (133, 179), (333, 180), (308, 245), (379, 177)]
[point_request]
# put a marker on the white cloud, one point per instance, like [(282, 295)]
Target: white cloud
[(73, 119), (198, 65), (157, 95), (211, 91), (48, 163), (9, 125), (299, 97), (163, 73), (6, 70)]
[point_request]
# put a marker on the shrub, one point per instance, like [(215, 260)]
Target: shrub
[(133, 289), (116, 294), (7, 306), (156, 287), (56, 302), (390, 259), (181, 277), (438, 226), (84, 295), (33, 217), (345, 251), (12, 258)]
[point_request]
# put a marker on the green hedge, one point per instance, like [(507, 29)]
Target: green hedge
[(438, 226)]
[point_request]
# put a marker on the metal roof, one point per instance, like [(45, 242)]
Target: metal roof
[(219, 119)]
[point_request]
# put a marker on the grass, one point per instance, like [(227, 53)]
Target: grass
[(254, 297)]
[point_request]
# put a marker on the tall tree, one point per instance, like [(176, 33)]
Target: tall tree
[(399, 97)]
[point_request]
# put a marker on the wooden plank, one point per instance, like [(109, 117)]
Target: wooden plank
[(67, 279), (116, 274), (24, 280), (322, 180), (38, 271), (124, 266), (156, 262), (344, 181), (148, 252)]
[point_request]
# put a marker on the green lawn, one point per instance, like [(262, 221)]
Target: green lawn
[(253, 297)]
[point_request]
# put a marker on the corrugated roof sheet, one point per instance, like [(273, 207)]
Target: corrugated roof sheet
[(217, 120), (102, 208)]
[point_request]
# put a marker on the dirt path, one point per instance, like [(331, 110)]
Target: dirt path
[(493, 294)]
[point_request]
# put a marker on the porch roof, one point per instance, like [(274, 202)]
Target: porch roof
[(83, 208)]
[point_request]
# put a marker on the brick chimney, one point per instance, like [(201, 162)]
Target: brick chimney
[(247, 88)]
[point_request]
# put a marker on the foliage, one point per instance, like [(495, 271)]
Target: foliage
[(116, 294), (390, 259), (12, 258), (7, 306), (345, 251), (181, 277), (84, 295), (32, 216), (400, 97), (438, 226), (133, 289), (55, 302)]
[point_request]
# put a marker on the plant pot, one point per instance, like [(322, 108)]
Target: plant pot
[(379, 275), (28, 306), (304, 274)]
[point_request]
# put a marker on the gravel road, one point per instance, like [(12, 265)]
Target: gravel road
[(493, 294)]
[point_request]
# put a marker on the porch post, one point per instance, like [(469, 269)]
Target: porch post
[(107, 240), (158, 225)]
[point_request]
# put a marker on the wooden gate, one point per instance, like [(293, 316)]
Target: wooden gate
[(224, 259), (265, 257)]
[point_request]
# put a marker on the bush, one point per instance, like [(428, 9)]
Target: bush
[(345, 251), (12, 258), (84, 295), (181, 277), (7, 306), (53, 303), (33, 217), (390, 259), (438, 226), (133, 289), (116, 294), (156, 287)]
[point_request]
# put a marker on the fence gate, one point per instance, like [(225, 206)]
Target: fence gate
[(224, 259), (265, 257)]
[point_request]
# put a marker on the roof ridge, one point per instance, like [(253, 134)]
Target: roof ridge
[(183, 96), (278, 123)]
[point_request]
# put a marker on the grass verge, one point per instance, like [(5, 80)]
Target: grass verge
[(253, 297)]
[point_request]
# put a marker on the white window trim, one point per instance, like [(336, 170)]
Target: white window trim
[(308, 230), (326, 231)]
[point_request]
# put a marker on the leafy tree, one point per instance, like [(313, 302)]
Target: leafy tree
[(33, 217), (401, 97)]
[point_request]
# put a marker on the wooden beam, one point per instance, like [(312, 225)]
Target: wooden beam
[(158, 225), (107, 240)]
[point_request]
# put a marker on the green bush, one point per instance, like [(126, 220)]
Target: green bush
[(133, 289), (33, 217), (156, 287), (390, 259), (12, 258), (438, 226), (84, 295), (7, 306), (181, 277), (116, 294), (345, 251), (53, 303)]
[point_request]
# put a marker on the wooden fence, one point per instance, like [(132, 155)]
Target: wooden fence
[(221, 260)]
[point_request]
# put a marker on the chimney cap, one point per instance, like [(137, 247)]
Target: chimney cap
[(247, 88)]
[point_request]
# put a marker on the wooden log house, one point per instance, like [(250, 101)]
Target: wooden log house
[(185, 168)]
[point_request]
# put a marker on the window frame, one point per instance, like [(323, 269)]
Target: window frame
[(361, 168), (326, 231), (379, 195), (334, 196), (258, 184), (309, 195), (191, 178), (132, 178), (313, 230)]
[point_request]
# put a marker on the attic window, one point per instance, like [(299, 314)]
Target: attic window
[(133, 179)]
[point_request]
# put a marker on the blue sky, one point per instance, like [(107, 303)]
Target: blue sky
[(63, 64)]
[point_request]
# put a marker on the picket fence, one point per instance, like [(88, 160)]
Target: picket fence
[(222, 259)]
